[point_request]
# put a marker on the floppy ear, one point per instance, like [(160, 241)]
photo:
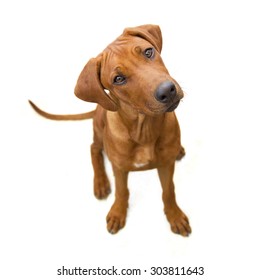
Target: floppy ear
[(149, 32), (89, 87)]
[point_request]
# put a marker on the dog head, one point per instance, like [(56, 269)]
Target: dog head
[(131, 70)]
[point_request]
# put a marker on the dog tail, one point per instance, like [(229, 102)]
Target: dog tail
[(74, 117)]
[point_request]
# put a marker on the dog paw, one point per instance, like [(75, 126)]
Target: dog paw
[(101, 187), (115, 221), (181, 154), (179, 223)]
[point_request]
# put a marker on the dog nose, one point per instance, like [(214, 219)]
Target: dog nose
[(165, 92)]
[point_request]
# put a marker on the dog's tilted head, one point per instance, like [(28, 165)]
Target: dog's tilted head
[(130, 70)]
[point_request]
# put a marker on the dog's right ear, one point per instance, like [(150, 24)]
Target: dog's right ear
[(151, 33), (89, 87)]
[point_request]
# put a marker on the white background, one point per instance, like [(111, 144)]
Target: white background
[(49, 216)]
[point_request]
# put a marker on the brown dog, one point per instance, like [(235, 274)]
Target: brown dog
[(134, 122)]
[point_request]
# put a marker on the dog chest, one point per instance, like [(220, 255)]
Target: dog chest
[(143, 155), (140, 146)]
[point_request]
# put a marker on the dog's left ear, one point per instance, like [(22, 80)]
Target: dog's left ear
[(149, 32), (89, 87)]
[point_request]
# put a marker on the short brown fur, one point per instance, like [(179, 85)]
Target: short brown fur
[(136, 131)]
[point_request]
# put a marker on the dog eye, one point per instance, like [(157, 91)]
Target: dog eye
[(149, 53), (119, 80)]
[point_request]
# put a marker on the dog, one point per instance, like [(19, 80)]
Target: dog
[(134, 122)]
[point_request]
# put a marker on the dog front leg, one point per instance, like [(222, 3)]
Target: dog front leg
[(101, 182), (177, 219), (117, 215)]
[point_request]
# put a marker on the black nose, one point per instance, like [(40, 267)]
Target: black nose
[(165, 92)]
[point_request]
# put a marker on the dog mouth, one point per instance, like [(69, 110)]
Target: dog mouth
[(173, 106), (151, 109)]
